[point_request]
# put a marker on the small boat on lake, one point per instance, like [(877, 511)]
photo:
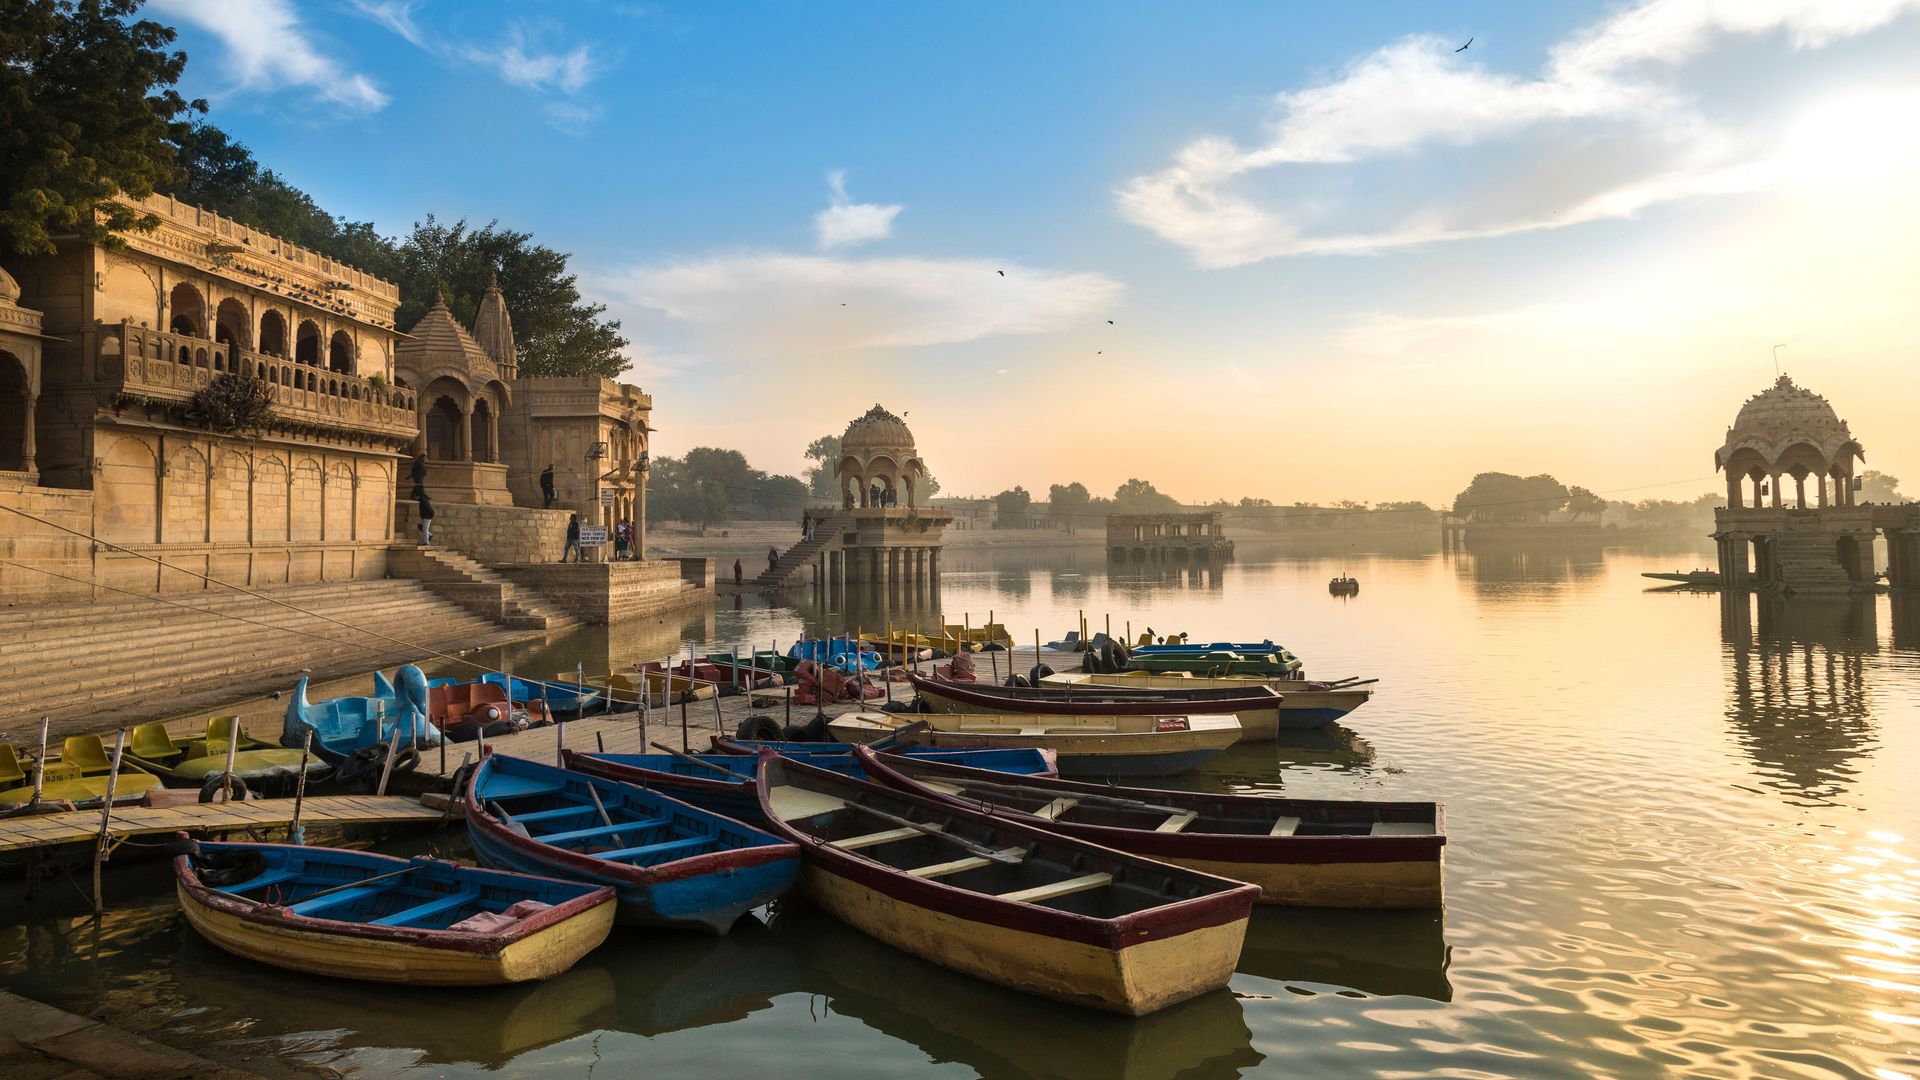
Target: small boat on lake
[(1260, 709), (1004, 901), (344, 725), (195, 761), (358, 915), (1214, 660), (1301, 852), (1704, 578), (1161, 745), (1344, 586), (724, 782), (78, 777), (1303, 705), (673, 865)]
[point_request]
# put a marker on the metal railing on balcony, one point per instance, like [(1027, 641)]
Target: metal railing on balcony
[(154, 363)]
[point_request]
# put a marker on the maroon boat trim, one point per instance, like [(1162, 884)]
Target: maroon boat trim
[(960, 693), (581, 762)]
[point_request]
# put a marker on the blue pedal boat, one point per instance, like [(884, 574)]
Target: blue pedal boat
[(842, 653), (725, 782), (341, 726), (358, 915), (672, 864), (560, 697)]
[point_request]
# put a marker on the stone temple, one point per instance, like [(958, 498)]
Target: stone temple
[(1791, 523)]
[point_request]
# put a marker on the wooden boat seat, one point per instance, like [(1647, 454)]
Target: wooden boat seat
[(972, 862), (1054, 809), (1284, 826), (855, 843), (266, 880), (667, 848), (791, 803), (152, 742), (557, 812), (617, 827), (10, 770), (428, 909), (87, 752), (1177, 822), (1401, 828), (1059, 888), (344, 896)]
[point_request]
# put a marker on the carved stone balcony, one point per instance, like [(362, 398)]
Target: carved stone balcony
[(140, 362)]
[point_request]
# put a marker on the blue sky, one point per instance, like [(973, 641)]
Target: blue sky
[(1340, 258)]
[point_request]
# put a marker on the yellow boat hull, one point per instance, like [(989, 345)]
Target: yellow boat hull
[(1333, 885), (540, 955)]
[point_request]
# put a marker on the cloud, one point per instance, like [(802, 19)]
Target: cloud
[(522, 63), (845, 223), (803, 305), (1415, 143), (268, 49), (522, 59), (395, 15)]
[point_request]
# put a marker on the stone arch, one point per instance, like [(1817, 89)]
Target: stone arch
[(443, 429), (13, 412), (303, 497), (306, 348), (340, 353), (126, 491), (480, 435), (273, 334), (186, 311), (270, 489), (186, 503), (339, 518), (231, 506), (231, 332)]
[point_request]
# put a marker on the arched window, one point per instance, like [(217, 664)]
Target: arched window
[(273, 334), (340, 353), (230, 330), (482, 433), (187, 311), (443, 430), (306, 345), (13, 413)]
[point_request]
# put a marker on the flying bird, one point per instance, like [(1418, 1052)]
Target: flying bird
[(1463, 48), (1109, 322), (1002, 273)]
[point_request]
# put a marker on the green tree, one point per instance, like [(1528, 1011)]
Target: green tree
[(1068, 500), (1141, 497), (1878, 487), (87, 112), (824, 452), (1494, 496), (1014, 506), (1584, 503)]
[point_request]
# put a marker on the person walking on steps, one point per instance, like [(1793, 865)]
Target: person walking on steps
[(773, 558), (573, 540), (425, 506), (546, 487), (418, 474)]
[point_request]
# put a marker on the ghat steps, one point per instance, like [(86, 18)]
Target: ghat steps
[(797, 558), (471, 585)]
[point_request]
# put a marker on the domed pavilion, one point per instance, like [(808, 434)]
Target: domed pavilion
[(877, 460), (1814, 541)]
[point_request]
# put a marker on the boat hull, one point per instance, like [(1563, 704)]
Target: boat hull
[(539, 955), (1083, 753)]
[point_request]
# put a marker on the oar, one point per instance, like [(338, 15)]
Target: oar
[(683, 756), (906, 734), (354, 884), (966, 845), (1107, 800), (605, 818)]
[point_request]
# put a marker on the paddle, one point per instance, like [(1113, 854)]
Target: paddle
[(968, 846), (605, 818), (907, 734), (353, 885), (1106, 800), (683, 756)]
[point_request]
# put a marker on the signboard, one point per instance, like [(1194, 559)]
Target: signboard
[(607, 496), (593, 536)]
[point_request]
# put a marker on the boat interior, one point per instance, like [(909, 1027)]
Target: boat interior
[(743, 768), (151, 742), (421, 896), (616, 822), (968, 853)]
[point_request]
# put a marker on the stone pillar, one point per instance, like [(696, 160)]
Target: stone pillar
[(465, 443), (933, 566), (26, 439)]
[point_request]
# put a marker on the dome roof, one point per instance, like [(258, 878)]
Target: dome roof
[(1784, 416), (9, 288), (877, 430), (439, 343)]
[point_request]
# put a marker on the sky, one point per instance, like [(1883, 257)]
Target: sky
[(1298, 252)]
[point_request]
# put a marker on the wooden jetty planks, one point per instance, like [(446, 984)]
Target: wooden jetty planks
[(44, 830)]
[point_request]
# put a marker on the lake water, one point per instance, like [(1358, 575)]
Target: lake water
[(1684, 840)]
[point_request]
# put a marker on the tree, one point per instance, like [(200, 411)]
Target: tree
[(1141, 497), (1584, 503), (824, 452), (1068, 500), (1878, 487), (87, 112), (1014, 506), (1505, 497)]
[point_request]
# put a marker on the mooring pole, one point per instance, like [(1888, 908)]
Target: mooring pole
[(106, 816), (40, 764), (294, 835), (233, 746), (386, 769)]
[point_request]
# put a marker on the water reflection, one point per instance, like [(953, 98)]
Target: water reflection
[(1796, 688), (1382, 953), (1496, 570)]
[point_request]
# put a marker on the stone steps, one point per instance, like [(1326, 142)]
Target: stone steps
[(797, 558), (468, 583), (22, 623)]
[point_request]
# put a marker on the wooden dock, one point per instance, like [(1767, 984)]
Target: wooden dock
[(79, 826)]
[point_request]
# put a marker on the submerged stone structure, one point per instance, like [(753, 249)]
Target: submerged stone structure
[(1184, 537), (1814, 539)]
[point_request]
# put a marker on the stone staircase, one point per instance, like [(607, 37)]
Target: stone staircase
[(101, 665), (471, 585), (795, 560), (1805, 552)]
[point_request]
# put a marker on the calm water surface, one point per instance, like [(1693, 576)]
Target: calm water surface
[(1684, 842)]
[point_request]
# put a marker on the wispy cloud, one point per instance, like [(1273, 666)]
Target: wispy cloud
[(844, 222), (527, 56), (268, 49), (1416, 143), (395, 15), (777, 304), (520, 61)]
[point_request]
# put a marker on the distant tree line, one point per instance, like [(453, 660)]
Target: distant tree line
[(709, 486)]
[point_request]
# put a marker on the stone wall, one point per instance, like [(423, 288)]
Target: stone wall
[(490, 534), (610, 592), (27, 541)]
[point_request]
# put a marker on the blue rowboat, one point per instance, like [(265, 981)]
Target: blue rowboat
[(724, 782), (673, 865), (341, 726), (358, 915)]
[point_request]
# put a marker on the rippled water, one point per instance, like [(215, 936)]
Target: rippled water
[(1684, 835)]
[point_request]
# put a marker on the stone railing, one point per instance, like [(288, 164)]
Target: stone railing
[(142, 362), (261, 246)]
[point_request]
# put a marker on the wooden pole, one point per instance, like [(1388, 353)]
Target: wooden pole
[(600, 741), (1036, 649), (386, 770), (889, 645), (233, 745), (106, 816), (294, 835), (40, 764), (559, 741)]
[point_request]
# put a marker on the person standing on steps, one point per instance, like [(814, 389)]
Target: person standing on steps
[(546, 487), (418, 474), (773, 558), (573, 540), (425, 507), (739, 574)]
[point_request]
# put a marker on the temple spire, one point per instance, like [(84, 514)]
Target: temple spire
[(493, 329)]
